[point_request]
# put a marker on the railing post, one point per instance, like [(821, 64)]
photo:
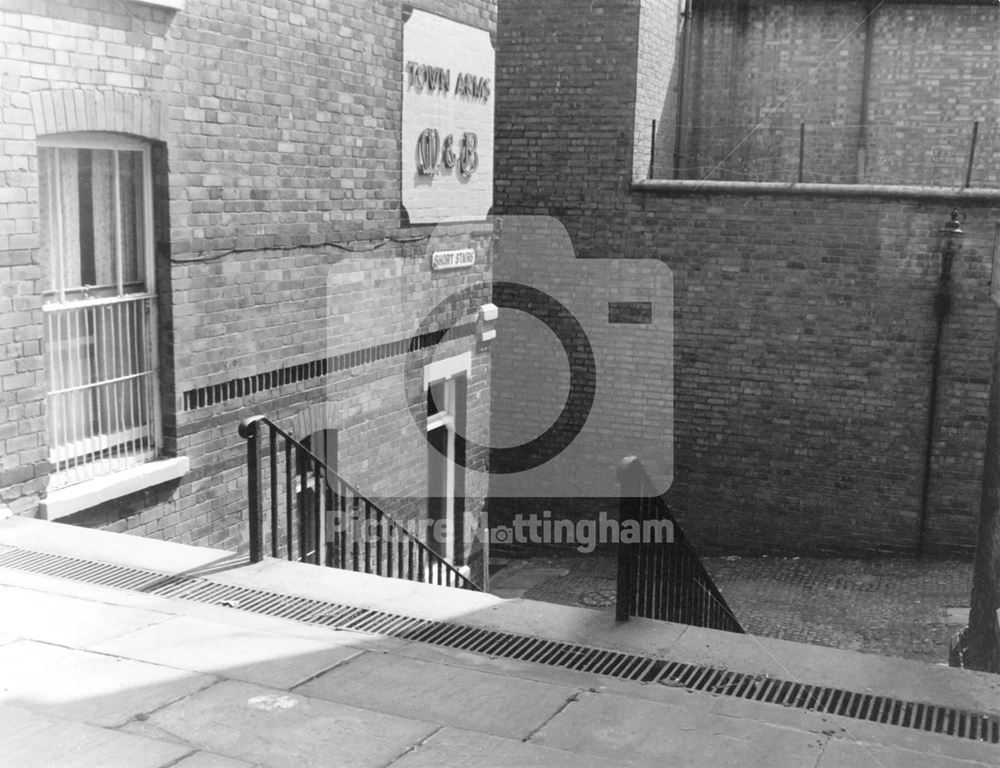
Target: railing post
[(248, 430), (625, 591)]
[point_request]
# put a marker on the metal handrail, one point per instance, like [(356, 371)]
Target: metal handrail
[(401, 554), (663, 580)]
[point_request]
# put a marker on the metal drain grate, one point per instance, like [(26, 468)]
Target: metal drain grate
[(839, 702), (74, 568)]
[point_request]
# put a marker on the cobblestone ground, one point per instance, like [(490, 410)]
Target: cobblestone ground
[(893, 607)]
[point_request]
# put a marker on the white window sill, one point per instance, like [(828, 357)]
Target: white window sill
[(74, 498)]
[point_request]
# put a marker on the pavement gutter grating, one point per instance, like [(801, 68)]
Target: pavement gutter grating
[(885, 710)]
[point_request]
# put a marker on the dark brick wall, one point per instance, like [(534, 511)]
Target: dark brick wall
[(280, 134), (565, 111), (804, 336), (760, 68), (804, 324)]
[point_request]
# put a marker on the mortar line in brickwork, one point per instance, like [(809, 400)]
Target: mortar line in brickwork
[(213, 394)]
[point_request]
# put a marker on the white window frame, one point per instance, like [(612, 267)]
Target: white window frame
[(56, 300), (445, 372)]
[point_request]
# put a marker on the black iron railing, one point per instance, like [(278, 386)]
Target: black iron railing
[(660, 576), (300, 509)]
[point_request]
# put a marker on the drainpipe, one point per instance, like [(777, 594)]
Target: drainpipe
[(681, 78), (951, 235), (866, 78)]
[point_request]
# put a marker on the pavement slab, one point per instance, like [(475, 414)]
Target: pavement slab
[(455, 748), (208, 760), (644, 732), (256, 656), (167, 607), (524, 577), (846, 754), (207, 686), (32, 740), (94, 688), (276, 729), (455, 696), (70, 621), (933, 746), (94, 544)]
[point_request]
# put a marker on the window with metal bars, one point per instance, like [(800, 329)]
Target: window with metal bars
[(95, 196)]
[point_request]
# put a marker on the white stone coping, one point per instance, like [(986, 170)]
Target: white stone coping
[(885, 191), (174, 5), (74, 498)]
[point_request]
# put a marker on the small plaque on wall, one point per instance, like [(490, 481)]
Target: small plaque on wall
[(453, 259)]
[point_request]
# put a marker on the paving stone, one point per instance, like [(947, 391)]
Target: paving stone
[(208, 760), (631, 731), (149, 731), (32, 740), (455, 696), (266, 658), (845, 754), (454, 748), (508, 594), (283, 730), (94, 544), (67, 620), (524, 577), (930, 745), (97, 689)]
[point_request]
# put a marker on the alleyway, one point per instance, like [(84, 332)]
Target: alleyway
[(894, 607)]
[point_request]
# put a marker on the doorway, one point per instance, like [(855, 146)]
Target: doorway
[(446, 417)]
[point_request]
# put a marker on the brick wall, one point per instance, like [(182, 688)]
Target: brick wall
[(760, 68), (919, 78), (279, 128), (804, 323), (804, 338), (565, 111)]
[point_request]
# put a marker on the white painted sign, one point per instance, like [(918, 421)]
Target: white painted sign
[(447, 123), (453, 259)]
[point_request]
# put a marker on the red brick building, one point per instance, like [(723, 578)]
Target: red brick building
[(212, 209)]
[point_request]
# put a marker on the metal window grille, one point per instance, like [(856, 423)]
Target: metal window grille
[(100, 305)]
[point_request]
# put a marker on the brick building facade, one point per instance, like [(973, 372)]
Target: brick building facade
[(804, 321), (202, 218)]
